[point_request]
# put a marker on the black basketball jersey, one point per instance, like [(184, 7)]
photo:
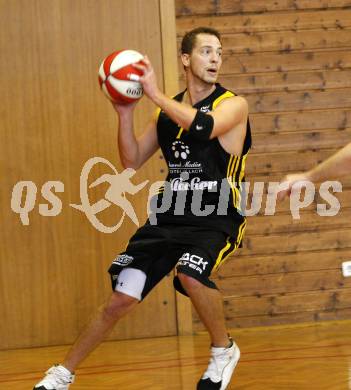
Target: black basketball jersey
[(204, 181)]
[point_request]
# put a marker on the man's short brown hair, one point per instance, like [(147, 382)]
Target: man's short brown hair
[(189, 39)]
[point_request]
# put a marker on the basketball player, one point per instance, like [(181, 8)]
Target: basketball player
[(336, 166), (204, 135)]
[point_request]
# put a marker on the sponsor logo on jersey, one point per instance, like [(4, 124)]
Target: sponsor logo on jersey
[(180, 150), (178, 184), (188, 166), (181, 153), (205, 108)]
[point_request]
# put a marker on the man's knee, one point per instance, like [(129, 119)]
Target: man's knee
[(118, 305), (189, 283)]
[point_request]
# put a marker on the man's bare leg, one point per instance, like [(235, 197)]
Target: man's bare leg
[(225, 354), (209, 306), (117, 306)]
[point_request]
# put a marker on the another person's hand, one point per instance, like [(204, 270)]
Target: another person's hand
[(288, 181)]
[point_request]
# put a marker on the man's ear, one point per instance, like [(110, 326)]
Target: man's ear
[(185, 60)]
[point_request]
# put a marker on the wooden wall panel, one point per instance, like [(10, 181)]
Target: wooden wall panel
[(307, 20), (286, 160), (285, 101), (53, 272), (291, 60), (337, 59), (286, 81), (314, 120), (285, 43), (272, 263), (298, 141), (219, 7)]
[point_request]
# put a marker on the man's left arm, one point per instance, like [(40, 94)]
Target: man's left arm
[(229, 113)]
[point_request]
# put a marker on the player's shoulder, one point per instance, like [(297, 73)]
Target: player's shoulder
[(229, 99)]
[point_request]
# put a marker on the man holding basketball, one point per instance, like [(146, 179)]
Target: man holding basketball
[(204, 134)]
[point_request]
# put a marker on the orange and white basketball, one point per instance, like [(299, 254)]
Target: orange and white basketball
[(114, 76)]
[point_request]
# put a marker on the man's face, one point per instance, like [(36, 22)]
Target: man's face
[(206, 58)]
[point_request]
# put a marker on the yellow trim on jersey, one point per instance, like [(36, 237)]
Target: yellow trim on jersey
[(232, 173), (226, 95), (234, 185), (233, 165), (180, 133), (220, 258), (232, 168), (157, 113), (232, 162), (229, 164), (241, 176), (242, 172)]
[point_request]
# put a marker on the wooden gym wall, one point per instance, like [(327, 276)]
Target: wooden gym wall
[(291, 60), (53, 271)]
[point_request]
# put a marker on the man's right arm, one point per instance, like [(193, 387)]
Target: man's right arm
[(134, 151)]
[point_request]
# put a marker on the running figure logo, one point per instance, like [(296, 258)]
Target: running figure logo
[(119, 185)]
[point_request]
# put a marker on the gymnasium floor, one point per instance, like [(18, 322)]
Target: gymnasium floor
[(305, 356)]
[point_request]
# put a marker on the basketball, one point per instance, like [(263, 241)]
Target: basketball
[(114, 76)]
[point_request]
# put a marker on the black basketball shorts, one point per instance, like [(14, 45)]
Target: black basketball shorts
[(193, 250)]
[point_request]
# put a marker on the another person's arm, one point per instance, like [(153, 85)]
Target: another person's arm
[(336, 166)]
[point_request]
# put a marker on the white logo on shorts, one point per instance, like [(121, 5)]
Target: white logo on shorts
[(123, 260), (193, 261)]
